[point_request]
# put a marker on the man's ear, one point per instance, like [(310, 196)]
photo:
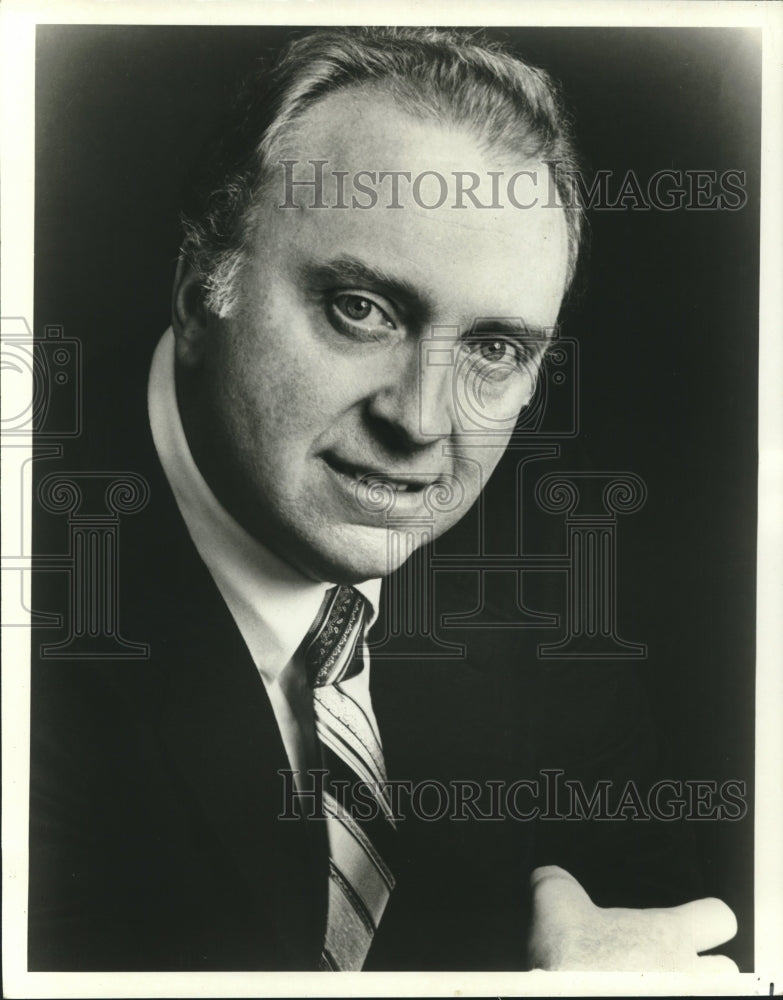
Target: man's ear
[(189, 315)]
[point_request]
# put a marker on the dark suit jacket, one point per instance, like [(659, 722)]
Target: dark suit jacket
[(155, 841)]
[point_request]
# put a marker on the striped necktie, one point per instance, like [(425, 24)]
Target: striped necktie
[(360, 827)]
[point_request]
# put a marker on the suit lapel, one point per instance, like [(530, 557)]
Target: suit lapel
[(222, 735), (214, 718), (460, 898)]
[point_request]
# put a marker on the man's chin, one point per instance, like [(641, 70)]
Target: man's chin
[(350, 555)]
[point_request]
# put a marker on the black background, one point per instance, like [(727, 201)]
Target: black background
[(667, 319)]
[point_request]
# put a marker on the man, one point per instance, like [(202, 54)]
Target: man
[(331, 308)]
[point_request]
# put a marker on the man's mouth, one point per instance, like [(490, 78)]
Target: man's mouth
[(367, 477)]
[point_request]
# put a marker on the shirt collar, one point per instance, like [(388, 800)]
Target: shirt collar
[(273, 604)]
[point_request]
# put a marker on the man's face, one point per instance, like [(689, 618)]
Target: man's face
[(351, 387)]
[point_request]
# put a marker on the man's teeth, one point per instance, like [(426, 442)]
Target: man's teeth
[(398, 487), (374, 478)]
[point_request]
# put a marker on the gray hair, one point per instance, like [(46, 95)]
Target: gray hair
[(442, 74)]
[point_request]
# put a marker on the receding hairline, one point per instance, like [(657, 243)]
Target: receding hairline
[(285, 140), (448, 76)]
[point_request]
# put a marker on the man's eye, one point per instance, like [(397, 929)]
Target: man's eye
[(497, 351), (495, 358), (360, 314), (355, 307)]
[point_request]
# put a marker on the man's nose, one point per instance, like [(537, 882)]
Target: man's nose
[(416, 402)]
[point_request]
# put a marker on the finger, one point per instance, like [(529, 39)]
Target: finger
[(715, 963), (711, 922)]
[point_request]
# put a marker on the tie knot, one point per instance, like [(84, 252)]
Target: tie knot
[(330, 644)]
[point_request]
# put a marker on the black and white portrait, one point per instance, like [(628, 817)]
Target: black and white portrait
[(391, 561)]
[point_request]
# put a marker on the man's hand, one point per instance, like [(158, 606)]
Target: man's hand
[(569, 932)]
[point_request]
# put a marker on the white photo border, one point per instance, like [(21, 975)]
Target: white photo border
[(19, 20)]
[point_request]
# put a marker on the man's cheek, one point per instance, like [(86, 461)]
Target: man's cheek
[(473, 469)]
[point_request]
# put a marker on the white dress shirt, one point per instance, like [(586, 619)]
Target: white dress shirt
[(272, 604)]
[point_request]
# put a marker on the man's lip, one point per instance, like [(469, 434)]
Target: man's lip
[(404, 482)]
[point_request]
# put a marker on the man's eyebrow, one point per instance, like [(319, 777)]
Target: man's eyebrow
[(346, 270), (512, 326)]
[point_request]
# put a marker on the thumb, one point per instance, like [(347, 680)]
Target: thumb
[(561, 909), (556, 891)]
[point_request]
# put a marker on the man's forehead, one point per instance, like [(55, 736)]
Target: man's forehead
[(362, 179), (363, 127), (364, 120)]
